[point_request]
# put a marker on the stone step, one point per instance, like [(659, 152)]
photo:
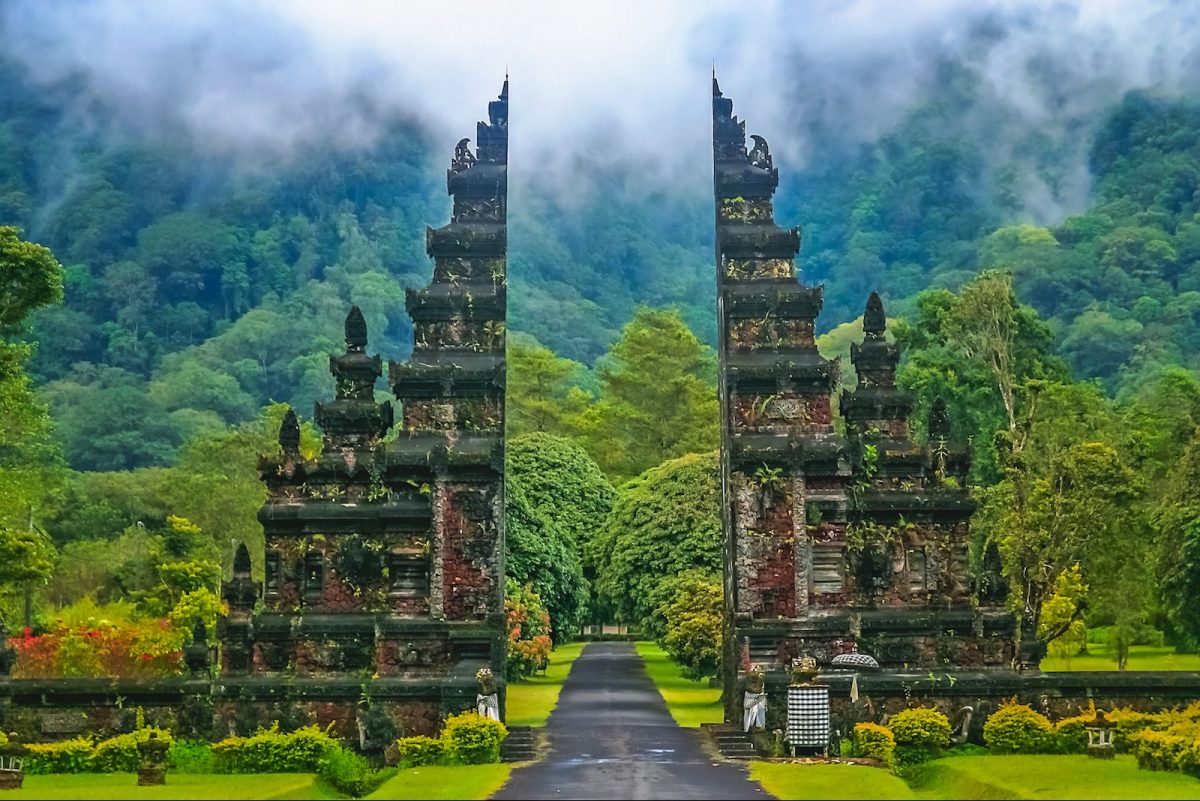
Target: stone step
[(520, 745)]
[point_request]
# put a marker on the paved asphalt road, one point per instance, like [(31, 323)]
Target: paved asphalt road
[(612, 737)]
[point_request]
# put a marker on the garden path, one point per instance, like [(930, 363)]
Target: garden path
[(612, 737)]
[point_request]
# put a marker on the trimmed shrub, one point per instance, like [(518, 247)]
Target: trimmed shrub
[(1017, 729), (350, 773), (190, 756), (921, 727), (415, 752), (473, 740), (68, 756), (271, 751), (874, 742), (119, 754), (1070, 734)]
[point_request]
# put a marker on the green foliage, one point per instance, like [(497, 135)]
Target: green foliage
[(664, 523), (1017, 729), (190, 756), (873, 741), (1178, 521), (560, 483), (30, 277), (66, 756), (416, 752), (921, 727), (690, 618), (657, 397), (273, 751), (350, 773), (528, 622), (473, 740), (538, 388), (541, 556)]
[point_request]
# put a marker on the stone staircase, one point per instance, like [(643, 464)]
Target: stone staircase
[(520, 745), (731, 741)]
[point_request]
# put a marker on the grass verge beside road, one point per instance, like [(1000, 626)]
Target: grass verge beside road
[(530, 701), (179, 785), (690, 702), (437, 783), (980, 778)]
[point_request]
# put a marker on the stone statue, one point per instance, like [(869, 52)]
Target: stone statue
[(463, 157), (487, 700), (754, 701), (760, 155)]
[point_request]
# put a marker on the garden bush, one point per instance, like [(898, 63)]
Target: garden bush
[(272, 751), (415, 752), (473, 740), (350, 773), (529, 640), (874, 742), (120, 754), (190, 756), (1177, 749), (1017, 729), (921, 727), (67, 756), (146, 649)]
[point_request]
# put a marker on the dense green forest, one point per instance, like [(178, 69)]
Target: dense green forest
[(198, 294)]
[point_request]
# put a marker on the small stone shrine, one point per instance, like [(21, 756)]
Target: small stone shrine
[(152, 760)]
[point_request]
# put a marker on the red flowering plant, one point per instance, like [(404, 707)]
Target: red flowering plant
[(146, 649), (529, 640)]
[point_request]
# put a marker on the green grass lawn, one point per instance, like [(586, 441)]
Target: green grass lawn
[(179, 785), (980, 778), (530, 701), (818, 782), (691, 702), (467, 782), (1141, 657)]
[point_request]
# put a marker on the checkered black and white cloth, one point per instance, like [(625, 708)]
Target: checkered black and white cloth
[(808, 717)]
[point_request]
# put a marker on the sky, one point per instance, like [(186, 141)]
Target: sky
[(616, 81)]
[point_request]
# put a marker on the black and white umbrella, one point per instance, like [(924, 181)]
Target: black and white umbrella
[(854, 661)]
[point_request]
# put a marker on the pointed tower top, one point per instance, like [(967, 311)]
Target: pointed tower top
[(498, 109), (874, 320), (716, 86), (939, 419), (289, 433), (356, 331)]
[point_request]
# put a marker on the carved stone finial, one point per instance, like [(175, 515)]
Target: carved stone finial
[(241, 561), (939, 419), (289, 433), (760, 156), (356, 330), (874, 319), (463, 158)]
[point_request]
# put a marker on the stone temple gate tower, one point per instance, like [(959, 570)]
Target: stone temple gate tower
[(840, 536), (383, 590)]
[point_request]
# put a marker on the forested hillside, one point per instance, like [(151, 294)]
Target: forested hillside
[(199, 288)]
